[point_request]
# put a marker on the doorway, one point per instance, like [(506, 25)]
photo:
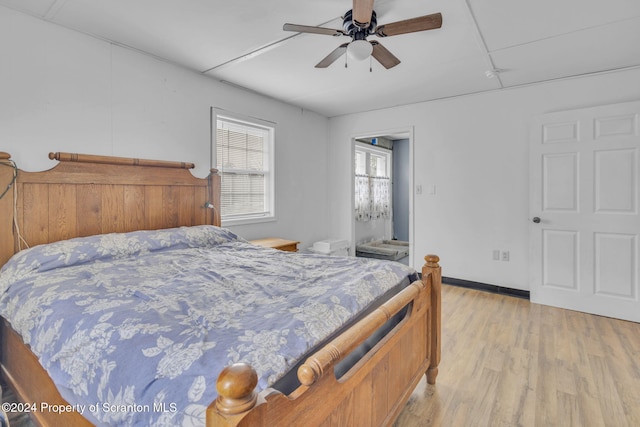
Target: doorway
[(383, 175)]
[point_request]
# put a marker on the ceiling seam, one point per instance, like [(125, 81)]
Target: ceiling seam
[(260, 50), (54, 9), (562, 34), (493, 71), (251, 54), (481, 92)]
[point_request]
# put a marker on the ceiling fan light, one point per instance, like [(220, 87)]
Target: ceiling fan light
[(359, 50)]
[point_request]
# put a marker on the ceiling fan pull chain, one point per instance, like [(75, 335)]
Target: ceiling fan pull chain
[(370, 65), (345, 60)]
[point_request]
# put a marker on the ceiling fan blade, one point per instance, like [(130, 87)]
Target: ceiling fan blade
[(331, 58), (362, 11), (383, 56), (312, 30), (421, 23)]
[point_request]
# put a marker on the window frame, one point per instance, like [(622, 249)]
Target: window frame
[(370, 151), (268, 166)]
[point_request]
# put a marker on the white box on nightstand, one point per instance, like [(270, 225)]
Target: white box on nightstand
[(331, 247)]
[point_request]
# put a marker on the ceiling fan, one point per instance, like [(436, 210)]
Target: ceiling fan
[(361, 22)]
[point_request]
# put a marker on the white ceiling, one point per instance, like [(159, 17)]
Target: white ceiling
[(242, 42)]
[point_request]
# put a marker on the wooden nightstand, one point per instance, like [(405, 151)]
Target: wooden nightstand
[(277, 243)]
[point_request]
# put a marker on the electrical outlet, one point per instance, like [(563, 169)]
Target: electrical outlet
[(505, 255), (496, 255)]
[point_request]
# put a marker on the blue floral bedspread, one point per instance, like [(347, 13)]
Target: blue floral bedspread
[(133, 328)]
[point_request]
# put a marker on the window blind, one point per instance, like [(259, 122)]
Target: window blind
[(242, 157)]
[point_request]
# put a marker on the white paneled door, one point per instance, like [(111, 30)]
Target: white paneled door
[(584, 220)]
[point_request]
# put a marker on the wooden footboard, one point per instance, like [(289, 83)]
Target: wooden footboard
[(372, 393)]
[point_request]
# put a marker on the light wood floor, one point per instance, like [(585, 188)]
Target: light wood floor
[(507, 362)]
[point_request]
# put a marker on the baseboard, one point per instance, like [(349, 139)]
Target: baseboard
[(519, 293)]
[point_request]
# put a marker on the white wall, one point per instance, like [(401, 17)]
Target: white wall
[(64, 91), (474, 149)]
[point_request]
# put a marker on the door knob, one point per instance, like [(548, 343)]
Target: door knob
[(536, 219)]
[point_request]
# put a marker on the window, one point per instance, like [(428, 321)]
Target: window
[(372, 183), (361, 162), (244, 158), (378, 166), (372, 161)]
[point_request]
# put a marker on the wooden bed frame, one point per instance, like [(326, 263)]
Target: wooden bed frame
[(86, 195)]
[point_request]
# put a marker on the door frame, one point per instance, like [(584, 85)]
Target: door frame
[(406, 132)]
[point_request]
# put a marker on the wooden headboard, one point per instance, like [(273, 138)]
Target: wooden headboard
[(86, 195)]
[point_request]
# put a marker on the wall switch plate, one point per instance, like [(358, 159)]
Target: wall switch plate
[(505, 255), (496, 255), (418, 189)]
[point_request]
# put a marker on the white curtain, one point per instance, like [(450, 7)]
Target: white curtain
[(373, 198)]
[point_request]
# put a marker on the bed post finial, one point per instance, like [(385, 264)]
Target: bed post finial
[(236, 389), (432, 271), (432, 261)]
